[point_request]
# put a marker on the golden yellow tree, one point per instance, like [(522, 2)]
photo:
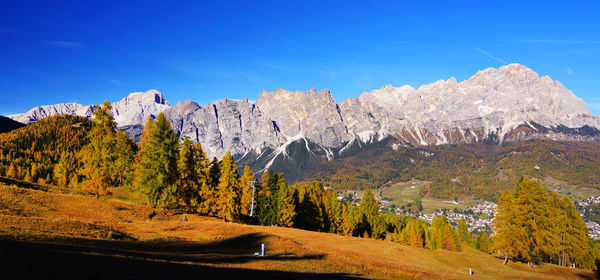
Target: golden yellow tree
[(247, 190), (228, 190)]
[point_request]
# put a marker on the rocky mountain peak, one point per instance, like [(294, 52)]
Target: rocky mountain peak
[(148, 97), (185, 107), (306, 113), (41, 112)]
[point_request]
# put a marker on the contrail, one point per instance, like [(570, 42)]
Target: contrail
[(489, 55)]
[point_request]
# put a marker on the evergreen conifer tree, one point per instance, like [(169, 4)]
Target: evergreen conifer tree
[(156, 175), (187, 183)]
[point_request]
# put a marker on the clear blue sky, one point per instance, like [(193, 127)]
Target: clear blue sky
[(90, 51)]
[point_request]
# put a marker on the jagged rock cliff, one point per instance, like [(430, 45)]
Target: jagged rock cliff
[(510, 103), (227, 125)]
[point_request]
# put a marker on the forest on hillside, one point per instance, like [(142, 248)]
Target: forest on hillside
[(481, 170)]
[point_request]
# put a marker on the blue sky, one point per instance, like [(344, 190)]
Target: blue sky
[(90, 51)]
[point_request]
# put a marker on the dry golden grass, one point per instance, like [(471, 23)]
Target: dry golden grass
[(126, 230)]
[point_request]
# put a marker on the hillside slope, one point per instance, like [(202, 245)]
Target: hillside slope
[(74, 236), (7, 124), (465, 170)]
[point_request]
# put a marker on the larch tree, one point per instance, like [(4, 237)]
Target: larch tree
[(64, 170), (347, 226), (125, 159), (413, 234), (463, 232), (209, 204), (247, 190), (98, 157), (205, 192), (510, 239), (536, 215), (187, 182), (576, 239), (228, 190), (483, 242), (156, 175), (145, 137), (287, 197), (560, 218)]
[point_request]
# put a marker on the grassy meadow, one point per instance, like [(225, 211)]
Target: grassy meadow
[(406, 192), (68, 235)]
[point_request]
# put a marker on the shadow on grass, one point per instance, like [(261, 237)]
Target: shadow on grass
[(121, 260)]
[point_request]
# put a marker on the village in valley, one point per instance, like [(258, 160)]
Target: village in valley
[(480, 217)]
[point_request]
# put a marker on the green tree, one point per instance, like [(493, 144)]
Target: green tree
[(125, 159), (374, 225), (312, 214), (156, 175), (268, 204), (333, 209), (463, 232), (187, 183)]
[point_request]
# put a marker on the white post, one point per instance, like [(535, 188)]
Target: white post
[(252, 205), (263, 249)]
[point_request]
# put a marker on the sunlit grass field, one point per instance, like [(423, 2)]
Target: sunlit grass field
[(407, 192), (118, 231)]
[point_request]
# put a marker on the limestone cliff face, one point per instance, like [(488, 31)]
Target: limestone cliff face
[(495, 101), (138, 106), (314, 115), (510, 103), (227, 125)]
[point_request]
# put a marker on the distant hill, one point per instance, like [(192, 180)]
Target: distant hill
[(7, 124), (34, 149), (464, 170)]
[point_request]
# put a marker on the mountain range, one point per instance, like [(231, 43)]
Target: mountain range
[(510, 103)]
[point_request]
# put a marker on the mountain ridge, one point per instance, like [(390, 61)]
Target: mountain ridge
[(509, 103)]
